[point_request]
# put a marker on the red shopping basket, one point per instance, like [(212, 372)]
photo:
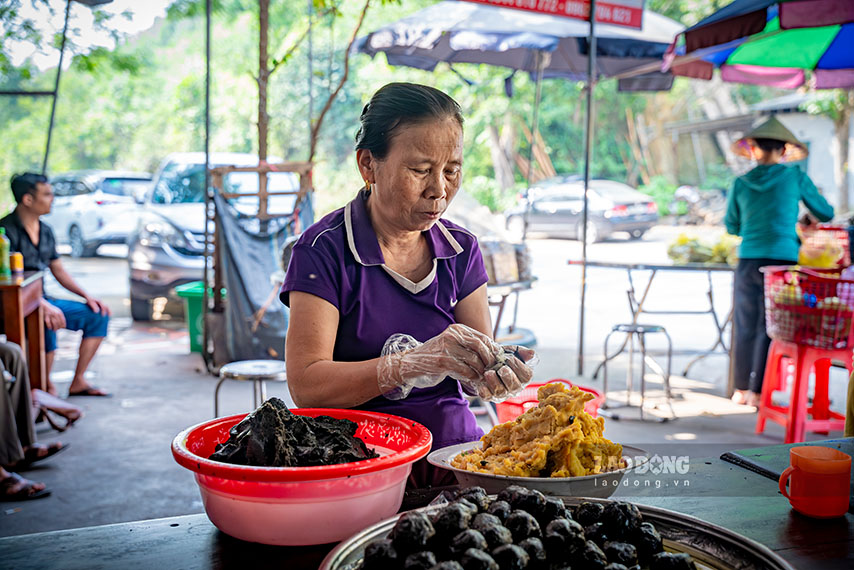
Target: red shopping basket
[(820, 236), (511, 408), (809, 306)]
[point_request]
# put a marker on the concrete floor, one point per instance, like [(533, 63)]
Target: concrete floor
[(119, 467)]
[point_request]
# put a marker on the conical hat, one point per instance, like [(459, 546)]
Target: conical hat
[(771, 129)]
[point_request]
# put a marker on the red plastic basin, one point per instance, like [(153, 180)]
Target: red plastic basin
[(304, 505)]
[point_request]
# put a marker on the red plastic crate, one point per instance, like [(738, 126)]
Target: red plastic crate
[(814, 307), (511, 408)]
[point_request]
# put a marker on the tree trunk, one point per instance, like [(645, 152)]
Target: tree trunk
[(843, 134), (500, 163), (263, 76)]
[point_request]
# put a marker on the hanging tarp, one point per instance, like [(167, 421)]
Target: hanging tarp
[(255, 320)]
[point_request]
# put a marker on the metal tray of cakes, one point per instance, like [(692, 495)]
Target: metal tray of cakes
[(711, 547), (601, 485)]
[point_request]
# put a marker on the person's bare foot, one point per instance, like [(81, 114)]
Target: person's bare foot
[(752, 399), (85, 390), (13, 487), (51, 389), (740, 397)]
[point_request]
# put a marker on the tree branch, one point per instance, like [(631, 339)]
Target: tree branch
[(298, 41), (316, 129)]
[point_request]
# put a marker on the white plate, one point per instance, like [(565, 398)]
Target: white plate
[(602, 485)]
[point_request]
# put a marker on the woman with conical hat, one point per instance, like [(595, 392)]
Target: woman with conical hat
[(762, 208)]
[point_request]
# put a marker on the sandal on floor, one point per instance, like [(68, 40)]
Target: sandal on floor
[(25, 493), (70, 417), (31, 455)]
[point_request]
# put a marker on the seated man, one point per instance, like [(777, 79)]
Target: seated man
[(35, 240), (18, 447)]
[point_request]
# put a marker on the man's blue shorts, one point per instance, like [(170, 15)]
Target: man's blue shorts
[(78, 317)]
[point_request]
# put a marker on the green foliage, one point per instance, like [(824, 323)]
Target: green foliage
[(485, 190), (718, 177), (661, 190), (832, 103), (130, 106)]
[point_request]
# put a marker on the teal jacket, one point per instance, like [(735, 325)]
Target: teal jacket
[(762, 208)]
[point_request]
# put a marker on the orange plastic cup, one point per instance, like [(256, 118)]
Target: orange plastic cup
[(819, 481)]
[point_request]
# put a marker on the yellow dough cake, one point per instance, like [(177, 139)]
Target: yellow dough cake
[(557, 438)]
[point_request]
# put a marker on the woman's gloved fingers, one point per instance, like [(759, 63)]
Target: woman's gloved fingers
[(493, 386), (527, 355), (521, 370), (480, 345), (512, 383)]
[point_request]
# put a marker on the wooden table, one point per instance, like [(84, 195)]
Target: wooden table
[(719, 492), (23, 320)]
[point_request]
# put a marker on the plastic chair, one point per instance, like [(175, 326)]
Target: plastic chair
[(794, 416), (640, 331), (259, 372)]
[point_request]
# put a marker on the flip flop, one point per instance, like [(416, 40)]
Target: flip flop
[(25, 493), (91, 391), (31, 455)]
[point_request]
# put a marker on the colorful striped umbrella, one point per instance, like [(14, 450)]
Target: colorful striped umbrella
[(779, 43)]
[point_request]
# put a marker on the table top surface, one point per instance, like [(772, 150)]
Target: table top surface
[(656, 266), (714, 490), (22, 280)]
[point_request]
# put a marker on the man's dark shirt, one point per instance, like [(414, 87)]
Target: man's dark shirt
[(36, 258)]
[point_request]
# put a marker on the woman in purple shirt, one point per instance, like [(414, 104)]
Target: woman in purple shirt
[(388, 265)]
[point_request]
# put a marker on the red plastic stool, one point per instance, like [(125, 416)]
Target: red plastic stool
[(794, 416)]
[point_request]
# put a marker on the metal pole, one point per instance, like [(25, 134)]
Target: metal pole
[(56, 87), (206, 353), (588, 134), (310, 69), (534, 127)]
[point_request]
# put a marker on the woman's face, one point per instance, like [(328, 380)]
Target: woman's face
[(413, 185)]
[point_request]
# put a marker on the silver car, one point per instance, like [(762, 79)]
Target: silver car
[(166, 248), (95, 207)]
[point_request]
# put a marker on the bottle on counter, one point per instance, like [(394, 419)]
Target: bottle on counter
[(16, 263), (5, 268)]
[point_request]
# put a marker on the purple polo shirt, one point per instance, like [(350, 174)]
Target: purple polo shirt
[(339, 259)]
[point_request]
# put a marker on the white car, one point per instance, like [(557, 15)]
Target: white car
[(95, 207)]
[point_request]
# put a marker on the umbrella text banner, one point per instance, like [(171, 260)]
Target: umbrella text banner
[(628, 13)]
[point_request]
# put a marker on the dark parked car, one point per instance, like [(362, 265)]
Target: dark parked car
[(556, 210)]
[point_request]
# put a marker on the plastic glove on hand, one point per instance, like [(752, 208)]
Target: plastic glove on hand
[(482, 366), (507, 376), (459, 351)]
